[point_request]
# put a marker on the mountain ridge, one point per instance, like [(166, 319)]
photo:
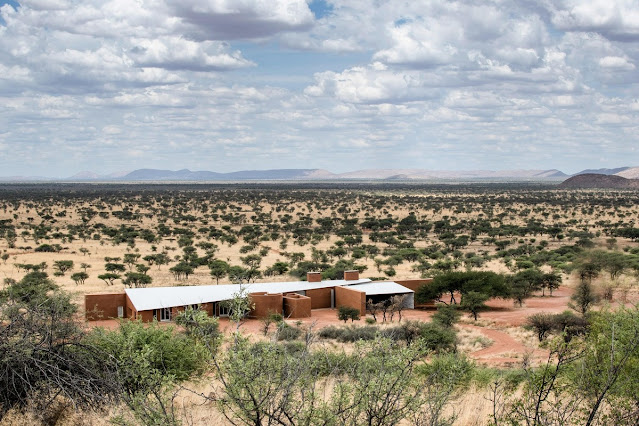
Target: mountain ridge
[(599, 181), (321, 174)]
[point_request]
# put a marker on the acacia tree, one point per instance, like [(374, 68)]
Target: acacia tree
[(219, 269), (136, 279), (473, 302), (452, 283), (62, 266), (550, 281), (109, 277), (524, 283), (79, 277)]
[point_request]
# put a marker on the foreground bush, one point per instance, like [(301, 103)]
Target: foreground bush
[(42, 353), (267, 383), (147, 352)]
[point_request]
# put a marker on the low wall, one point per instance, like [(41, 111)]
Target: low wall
[(104, 306), (345, 296), (320, 298), (296, 306), (265, 303)]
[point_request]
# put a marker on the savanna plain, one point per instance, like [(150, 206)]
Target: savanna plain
[(531, 317)]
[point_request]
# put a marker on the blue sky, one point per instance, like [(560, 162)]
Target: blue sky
[(225, 85)]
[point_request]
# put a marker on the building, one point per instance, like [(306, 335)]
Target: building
[(294, 299)]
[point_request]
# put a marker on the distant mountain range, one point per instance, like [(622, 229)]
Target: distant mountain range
[(186, 175), (320, 174)]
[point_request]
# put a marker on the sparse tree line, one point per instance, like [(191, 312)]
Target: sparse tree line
[(410, 371)]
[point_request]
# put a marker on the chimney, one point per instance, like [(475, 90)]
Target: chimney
[(313, 277), (351, 275)]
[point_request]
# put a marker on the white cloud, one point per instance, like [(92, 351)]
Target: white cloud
[(427, 44), (179, 54), (616, 19), (616, 63), (369, 85)]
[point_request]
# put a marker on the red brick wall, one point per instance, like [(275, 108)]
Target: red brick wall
[(265, 303), (296, 306), (313, 277), (320, 297), (345, 296), (130, 310), (208, 307), (351, 275), (103, 306), (145, 316)]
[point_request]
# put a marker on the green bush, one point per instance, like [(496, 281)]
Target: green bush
[(438, 338), (349, 334), (287, 332), (146, 352), (446, 315), (345, 313), (325, 363), (330, 332)]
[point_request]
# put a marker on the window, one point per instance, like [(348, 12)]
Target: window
[(224, 310), (165, 314), (195, 307)]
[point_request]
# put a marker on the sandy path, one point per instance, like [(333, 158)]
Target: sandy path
[(505, 350)]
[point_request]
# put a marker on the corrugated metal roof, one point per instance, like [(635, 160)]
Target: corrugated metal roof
[(381, 287), (145, 299)]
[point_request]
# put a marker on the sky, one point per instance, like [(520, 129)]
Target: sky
[(227, 85)]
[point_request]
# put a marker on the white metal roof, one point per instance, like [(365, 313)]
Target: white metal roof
[(145, 299), (374, 288)]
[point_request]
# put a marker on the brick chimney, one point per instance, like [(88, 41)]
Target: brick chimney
[(351, 275), (313, 277)]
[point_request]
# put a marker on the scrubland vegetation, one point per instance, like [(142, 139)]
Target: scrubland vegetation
[(479, 242)]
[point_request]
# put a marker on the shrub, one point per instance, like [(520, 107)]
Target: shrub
[(353, 333), (345, 313), (48, 248), (287, 332), (438, 338), (541, 323), (349, 334), (569, 323), (565, 322), (446, 315), (330, 332), (144, 352)]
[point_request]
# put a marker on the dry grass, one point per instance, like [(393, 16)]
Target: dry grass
[(471, 340)]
